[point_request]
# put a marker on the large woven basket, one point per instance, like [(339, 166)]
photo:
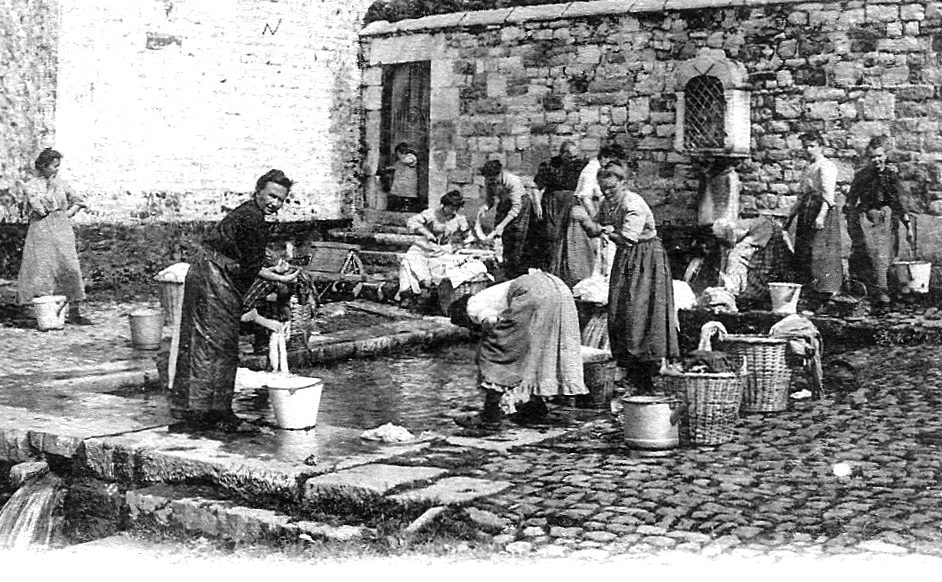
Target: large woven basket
[(769, 375), (711, 403), (598, 372), (448, 294)]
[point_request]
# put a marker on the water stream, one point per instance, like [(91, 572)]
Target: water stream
[(26, 519)]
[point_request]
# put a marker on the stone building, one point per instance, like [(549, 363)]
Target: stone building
[(167, 110), (681, 84)]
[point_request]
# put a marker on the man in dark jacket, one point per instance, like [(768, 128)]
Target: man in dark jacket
[(874, 211)]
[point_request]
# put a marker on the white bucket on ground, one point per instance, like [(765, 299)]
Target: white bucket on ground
[(147, 329), (49, 311), (784, 297), (295, 399), (913, 276)]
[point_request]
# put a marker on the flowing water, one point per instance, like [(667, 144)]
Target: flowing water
[(26, 518)]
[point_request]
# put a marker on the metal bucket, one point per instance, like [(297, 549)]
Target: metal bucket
[(784, 297), (913, 276), (49, 311), (650, 422), (295, 400), (147, 329)]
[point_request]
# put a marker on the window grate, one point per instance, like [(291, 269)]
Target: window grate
[(704, 114)]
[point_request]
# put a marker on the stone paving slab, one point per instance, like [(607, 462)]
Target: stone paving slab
[(453, 491), (366, 480), (275, 463), (27, 433), (506, 440)]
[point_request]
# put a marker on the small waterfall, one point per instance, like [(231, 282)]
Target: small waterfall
[(26, 519)]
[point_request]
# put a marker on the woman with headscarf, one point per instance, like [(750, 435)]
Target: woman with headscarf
[(642, 322), (50, 264), (529, 349), (232, 256)]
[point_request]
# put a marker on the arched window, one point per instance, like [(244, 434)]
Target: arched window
[(705, 119), (712, 106)]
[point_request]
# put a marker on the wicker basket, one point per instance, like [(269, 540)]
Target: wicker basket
[(712, 405), (768, 377), (598, 372), (448, 294)]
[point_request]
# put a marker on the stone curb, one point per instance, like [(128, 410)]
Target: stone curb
[(438, 331), (169, 508)]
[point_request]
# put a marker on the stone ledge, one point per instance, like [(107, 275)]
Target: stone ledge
[(165, 506), (522, 14)]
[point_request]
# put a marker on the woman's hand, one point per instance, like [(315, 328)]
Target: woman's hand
[(608, 230), (289, 278)]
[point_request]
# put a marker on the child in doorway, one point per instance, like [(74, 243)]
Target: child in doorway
[(402, 179)]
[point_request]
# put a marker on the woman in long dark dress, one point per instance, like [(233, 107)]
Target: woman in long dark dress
[(219, 277), (642, 324), (818, 230)]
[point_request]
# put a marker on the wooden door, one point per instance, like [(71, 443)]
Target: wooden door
[(405, 118)]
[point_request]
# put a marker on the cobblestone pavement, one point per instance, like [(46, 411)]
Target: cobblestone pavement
[(772, 492)]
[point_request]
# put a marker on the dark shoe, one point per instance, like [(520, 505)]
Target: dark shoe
[(192, 424), (233, 424), (477, 423), (531, 412)]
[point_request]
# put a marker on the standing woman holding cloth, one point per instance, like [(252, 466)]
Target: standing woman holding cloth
[(232, 256), (642, 324), (50, 263), (818, 230)]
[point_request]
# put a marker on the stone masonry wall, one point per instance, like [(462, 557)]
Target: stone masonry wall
[(169, 111), (512, 84), (28, 57)]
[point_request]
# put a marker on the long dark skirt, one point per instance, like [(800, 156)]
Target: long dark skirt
[(520, 239), (209, 338), (642, 325), (818, 252), (573, 257)]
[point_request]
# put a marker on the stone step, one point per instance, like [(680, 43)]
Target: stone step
[(196, 510), (373, 240), (380, 259)]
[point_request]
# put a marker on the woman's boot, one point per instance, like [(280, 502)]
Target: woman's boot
[(490, 419), (75, 315)]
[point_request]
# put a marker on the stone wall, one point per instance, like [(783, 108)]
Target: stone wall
[(122, 259), (171, 110), (28, 61), (513, 83)]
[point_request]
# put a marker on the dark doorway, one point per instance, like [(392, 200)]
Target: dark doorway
[(405, 118)]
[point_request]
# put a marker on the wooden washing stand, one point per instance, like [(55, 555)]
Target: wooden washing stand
[(331, 263)]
